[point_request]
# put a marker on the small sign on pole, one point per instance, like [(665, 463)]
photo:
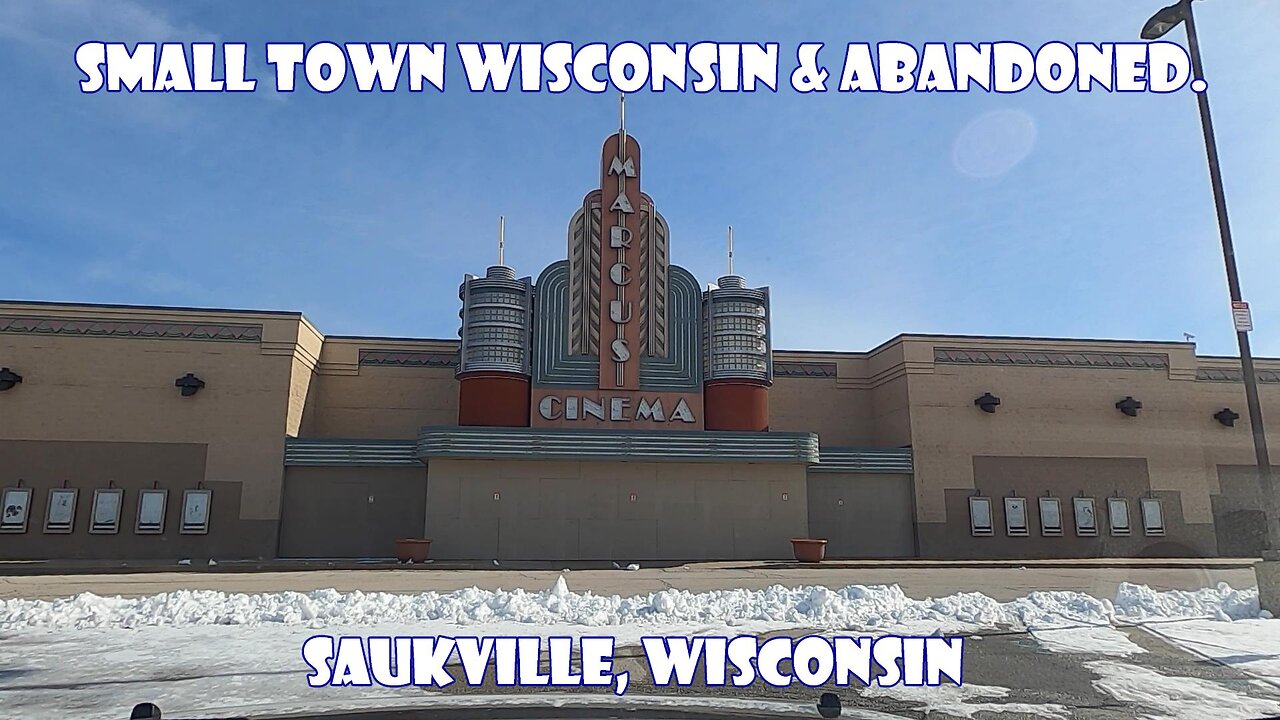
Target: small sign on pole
[(1240, 313)]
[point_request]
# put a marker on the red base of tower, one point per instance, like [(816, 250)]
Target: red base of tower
[(493, 399), (741, 405)]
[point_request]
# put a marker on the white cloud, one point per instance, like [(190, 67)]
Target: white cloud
[(53, 24), (51, 30)]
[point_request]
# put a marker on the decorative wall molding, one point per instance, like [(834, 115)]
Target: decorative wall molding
[(594, 445), (553, 366), (657, 446), (1234, 375), (317, 452), (788, 368), (863, 460), (164, 330), (1054, 358), (409, 358), (552, 363)]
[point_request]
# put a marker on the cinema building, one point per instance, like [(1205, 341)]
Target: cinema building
[(612, 407)]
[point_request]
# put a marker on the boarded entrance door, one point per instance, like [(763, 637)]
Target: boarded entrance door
[(326, 519), (862, 515), (350, 512)]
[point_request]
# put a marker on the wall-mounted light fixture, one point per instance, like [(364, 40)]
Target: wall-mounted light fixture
[(8, 379), (189, 384), (1227, 417), (987, 402), (1129, 406)]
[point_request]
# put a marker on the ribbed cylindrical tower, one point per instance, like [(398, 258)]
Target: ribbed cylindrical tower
[(493, 364), (738, 364)]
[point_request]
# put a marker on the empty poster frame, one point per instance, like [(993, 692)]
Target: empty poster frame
[(15, 509), (104, 516), (60, 515), (151, 509), (1086, 516), (195, 511), (980, 516), (1015, 517), (1152, 516), (1050, 516), (1118, 515)]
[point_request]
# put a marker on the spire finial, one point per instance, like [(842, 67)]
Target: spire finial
[(502, 236), (730, 249), (622, 129)]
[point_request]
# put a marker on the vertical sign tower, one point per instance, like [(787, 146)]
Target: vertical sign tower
[(621, 248), (614, 335)]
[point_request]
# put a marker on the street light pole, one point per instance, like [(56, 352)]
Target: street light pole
[(1160, 24)]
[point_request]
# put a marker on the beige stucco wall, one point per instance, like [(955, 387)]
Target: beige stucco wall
[(896, 395), (91, 374), (839, 416), (1069, 412), (864, 405), (380, 401), (87, 380), (130, 467), (302, 372)]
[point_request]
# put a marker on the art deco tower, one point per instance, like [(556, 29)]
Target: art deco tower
[(493, 363), (737, 357)]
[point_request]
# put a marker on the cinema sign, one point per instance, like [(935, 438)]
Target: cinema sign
[(617, 409)]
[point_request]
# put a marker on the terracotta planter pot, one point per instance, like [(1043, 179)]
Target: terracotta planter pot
[(412, 550), (810, 550)]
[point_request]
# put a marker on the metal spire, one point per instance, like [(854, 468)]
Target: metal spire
[(730, 249), (502, 232), (622, 130)]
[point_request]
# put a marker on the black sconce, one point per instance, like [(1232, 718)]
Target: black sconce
[(987, 402), (8, 379), (145, 711), (189, 383), (1227, 417), (1129, 406)]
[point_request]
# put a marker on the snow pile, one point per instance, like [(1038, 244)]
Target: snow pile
[(853, 607), (1139, 602)]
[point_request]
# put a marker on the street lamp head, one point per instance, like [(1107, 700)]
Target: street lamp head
[(1165, 19)]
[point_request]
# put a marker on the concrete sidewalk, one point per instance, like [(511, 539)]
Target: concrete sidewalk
[(1000, 580), (102, 567)]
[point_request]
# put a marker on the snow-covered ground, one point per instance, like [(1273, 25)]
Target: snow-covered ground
[(1249, 645), (202, 652), (1180, 698)]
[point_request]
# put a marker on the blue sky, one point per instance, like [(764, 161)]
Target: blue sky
[(1072, 215)]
